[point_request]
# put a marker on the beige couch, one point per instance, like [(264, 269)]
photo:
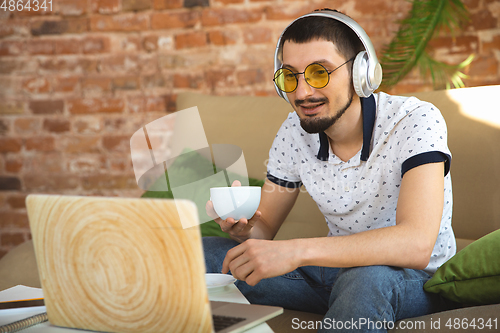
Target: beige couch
[(473, 120)]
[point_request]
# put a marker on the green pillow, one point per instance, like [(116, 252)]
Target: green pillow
[(472, 276), (188, 167)]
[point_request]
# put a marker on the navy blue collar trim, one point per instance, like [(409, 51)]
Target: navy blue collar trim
[(369, 110)]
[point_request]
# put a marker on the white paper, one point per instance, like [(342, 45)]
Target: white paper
[(20, 293)]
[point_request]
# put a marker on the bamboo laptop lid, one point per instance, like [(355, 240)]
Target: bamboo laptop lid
[(119, 264)]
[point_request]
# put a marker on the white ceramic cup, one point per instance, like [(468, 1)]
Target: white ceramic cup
[(237, 202)]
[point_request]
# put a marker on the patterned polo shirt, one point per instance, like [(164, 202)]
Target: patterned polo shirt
[(399, 133)]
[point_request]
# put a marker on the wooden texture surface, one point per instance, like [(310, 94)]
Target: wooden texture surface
[(119, 265)]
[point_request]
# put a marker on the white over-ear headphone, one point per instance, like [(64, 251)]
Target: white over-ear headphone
[(366, 72)]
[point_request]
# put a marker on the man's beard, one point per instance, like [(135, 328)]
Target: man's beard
[(317, 125)]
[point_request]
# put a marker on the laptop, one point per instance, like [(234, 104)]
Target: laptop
[(127, 265)]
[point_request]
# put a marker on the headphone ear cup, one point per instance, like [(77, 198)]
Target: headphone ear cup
[(360, 75)]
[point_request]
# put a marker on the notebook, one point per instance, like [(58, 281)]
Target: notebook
[(127, 265)]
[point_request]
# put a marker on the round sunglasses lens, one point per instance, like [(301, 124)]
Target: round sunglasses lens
[(285, 80), (316, 75)]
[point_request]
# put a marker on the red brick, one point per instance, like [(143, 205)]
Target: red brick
[(13, 27), (17, 201), (116, 143), (41, 47), (36, 85), (214, 17), (459, 44), (171, 20), (72, 7), (49, 162), (10, 145), (97, 84), (167, 4), (115, 124), (286, 13), (11, 238), (46, 106), (57, 27), (258, 35), (382, 6), (191, 39), (107, 182), (215, 78), (51, 182), (230, 1), (128, 64), (68, 65), (95, 45), (150, 43), (88, 125), (484, 66), (12, 219), (483, 19), (81, 144), (249, 77), (105, 6), (65, 83), (223, 37), (10, 85), (11, 48), (40, 143), (120, 164), (196, 3), (67, 46), (141, 104), (56, 125), (87, 163), (95, 105), (126, 83), (170, 102), (27, 125), (9, 183), (11, 107), (471, 4), (122, 22), (491, 45), (136, 5), (125, 43), (188, 81), (13, 165), (4, 126), (153, 81)]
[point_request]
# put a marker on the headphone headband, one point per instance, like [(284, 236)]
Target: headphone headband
[(370, 80)]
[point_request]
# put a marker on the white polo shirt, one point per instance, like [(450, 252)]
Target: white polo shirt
[(399, 133)]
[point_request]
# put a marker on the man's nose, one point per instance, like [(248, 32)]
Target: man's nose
[(303, 88)]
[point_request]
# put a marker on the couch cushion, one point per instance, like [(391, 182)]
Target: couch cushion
[(472, 276), (18, 266)]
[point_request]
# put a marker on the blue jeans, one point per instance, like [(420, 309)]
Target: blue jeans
[(362, 299)]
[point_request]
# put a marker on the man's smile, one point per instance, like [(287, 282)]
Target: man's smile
[(310, 108)]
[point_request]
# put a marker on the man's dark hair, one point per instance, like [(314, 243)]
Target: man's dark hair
[(317, 27)]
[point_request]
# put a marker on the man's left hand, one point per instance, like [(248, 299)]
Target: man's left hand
[(256, 259)]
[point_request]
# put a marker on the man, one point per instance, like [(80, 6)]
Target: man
[(378, 168)]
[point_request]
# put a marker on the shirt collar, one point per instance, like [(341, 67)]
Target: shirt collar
[(368, 108)]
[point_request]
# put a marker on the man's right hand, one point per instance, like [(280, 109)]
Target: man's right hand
[(239, 230)]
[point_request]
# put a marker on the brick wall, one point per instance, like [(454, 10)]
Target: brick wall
[(77, 80)]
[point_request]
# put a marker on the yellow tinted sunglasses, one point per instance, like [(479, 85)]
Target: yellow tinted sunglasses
[(316, 75)]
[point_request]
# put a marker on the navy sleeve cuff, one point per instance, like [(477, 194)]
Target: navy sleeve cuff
[(425, 158), (283, 183)]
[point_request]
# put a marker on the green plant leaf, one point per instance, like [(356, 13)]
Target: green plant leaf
[(407, 50)]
